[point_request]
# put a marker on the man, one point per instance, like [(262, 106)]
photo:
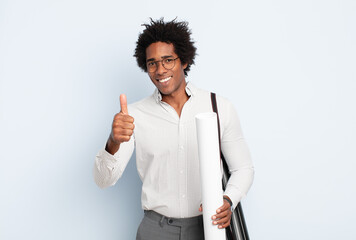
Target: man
[(162, 128)]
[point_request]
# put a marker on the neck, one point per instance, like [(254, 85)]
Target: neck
[(177, 99)]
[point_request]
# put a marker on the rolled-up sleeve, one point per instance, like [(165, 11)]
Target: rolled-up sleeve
[(109, 168)]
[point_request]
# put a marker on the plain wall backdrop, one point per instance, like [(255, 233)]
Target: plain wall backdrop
[(288, 66)]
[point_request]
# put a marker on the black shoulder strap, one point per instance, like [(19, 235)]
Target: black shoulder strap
[(215, 109)]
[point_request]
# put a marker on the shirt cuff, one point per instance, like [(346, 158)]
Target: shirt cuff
[(111, 161), (235, 197)]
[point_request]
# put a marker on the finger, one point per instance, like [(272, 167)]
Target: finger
[(121, 117), (123, 104), (224, 207), (122, 132), (222, 211), (127, 118), (121, 138), (123, 125), (222, 214), (225, 225), (222, 221), (124, 138)]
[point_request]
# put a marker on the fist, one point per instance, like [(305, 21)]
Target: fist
[(123, 124)]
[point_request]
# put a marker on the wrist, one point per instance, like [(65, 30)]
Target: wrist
[(226, 198), (111, 146)]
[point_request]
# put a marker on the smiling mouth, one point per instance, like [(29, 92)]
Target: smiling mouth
[(164, 80)]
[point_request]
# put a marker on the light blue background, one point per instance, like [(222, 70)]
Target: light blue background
[(288, 66)]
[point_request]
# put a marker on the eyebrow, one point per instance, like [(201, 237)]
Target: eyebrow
[(163, 57)]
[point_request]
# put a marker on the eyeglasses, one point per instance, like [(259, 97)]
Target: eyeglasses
[(167, 63)]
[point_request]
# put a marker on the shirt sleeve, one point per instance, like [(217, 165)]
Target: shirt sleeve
[(109, 168), (236, 153)]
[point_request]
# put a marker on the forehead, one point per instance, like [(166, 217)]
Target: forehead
[(159, 50)]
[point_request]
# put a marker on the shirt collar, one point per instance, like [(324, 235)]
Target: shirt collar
[(190, 89)]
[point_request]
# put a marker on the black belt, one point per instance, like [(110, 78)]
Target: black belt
[(173, 221)]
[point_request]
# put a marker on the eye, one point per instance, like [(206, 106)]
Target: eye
[(168, 60), (151, 64)]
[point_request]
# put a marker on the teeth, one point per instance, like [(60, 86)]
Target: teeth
[(164, 80)]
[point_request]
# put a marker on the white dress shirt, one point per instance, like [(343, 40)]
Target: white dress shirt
[(167, 154)]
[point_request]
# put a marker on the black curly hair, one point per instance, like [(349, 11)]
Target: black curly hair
[(173, 32)]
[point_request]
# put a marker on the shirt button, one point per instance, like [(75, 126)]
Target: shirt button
[(181, 171), (170, 221), (181, 147), (183, 196)]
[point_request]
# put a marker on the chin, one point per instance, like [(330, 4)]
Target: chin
[(165, 93)]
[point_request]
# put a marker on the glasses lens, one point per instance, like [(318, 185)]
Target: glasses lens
[(168, 63), (151, 66)]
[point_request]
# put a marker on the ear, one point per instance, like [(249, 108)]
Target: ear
[(185, 65)]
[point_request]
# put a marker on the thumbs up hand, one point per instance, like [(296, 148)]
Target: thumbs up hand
[(122, 127)]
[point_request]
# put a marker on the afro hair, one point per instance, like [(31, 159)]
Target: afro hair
[(176, 33)]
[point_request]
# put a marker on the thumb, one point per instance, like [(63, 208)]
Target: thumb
[(123, 104)]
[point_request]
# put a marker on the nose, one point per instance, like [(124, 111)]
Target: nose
[(160, 68)]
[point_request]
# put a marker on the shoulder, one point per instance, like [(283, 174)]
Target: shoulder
[(222, 102), (226, 109), (207, 94)]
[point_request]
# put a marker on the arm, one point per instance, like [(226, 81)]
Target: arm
[(238, 159), (111, 161), (236, 154)]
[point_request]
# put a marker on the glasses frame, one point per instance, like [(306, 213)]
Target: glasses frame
[(156, 64)]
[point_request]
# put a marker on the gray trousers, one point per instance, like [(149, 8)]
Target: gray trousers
[(155, 226)]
